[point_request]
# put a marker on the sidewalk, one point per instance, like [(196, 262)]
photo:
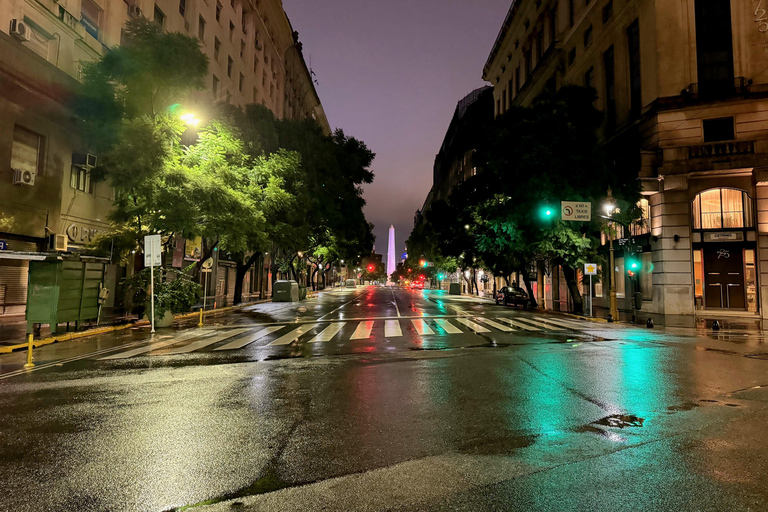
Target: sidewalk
[(13, 331)]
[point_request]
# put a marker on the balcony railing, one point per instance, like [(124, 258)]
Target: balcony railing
[(722, 149)]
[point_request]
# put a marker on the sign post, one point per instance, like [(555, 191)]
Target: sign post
[(207, 264), (576, 211), (153, 256), (590, 269)]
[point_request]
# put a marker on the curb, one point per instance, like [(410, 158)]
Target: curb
[(113, 328)]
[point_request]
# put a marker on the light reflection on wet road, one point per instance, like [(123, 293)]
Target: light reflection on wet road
[(423, 410)]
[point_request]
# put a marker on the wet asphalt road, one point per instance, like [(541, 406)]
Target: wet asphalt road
[(380, 399)]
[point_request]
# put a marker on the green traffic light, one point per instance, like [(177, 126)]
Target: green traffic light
[(548, 213)]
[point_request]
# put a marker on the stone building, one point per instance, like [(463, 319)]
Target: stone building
[(683, 86), (254, 57)]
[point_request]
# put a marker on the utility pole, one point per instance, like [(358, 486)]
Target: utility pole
[(610, 208)]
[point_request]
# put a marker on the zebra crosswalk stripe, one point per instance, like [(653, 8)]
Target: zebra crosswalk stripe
[(363, 330), (392, 329), (250, 338), (472, 325), (495, 325), (517, 324), (154, 346), (447, 326), (563, 323), (541, 324), (210, 340), (328, 333), (421, 327), (292, 336)]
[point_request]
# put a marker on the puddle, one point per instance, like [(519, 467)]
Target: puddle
[(684, 407), (620, 421)]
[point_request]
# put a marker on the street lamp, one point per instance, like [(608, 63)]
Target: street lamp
[(190, 119), (610, 208)]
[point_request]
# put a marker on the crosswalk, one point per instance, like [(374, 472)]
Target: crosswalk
[(326, 331)]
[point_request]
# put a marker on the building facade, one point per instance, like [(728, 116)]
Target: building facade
[(683, 86), (254, 57)]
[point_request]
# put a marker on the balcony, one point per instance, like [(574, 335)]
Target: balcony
[(722, 149)]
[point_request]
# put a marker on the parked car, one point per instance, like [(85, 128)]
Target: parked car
[(417, 285), (512, 295), (350, 283)]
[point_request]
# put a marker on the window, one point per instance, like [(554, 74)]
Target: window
[(718, 129), (598, 283), (539, 45), (242, 49), (589, 78), (552, 26), (528, 64), (517, 79), (182, 7), (646, 276), (714, 47), (571, 11), (80, 179), (216, 48), (588, 36), (201, 29), (229, 66), (571, 56), (218, 11), (722, 208), (607, 12), (255, 63), (159, 16), (241, 82), (231, 31), (27, 150), (620, 278), (633, 40), (698, 274), (643, 224), (243, 20), (215, 87), (90, 17), (610, 91)]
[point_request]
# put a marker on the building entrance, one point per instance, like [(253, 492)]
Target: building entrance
[(724, 277)]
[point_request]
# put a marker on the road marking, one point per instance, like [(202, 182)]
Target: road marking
[(338, 308), (459, 310), (563, 323), (517, 324), (448, 326), (472, 325), (392, 329), (328, 333), (495, 325), (205, 342), (422, 327), (363, 330), (540, 324), (153, 346), (394, 301), (249, 338), (292, 336)]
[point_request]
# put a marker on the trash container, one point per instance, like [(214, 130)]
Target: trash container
[(455, 289), (285, 291), (302, 292)]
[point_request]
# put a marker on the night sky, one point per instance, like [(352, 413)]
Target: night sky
[(390, 73)]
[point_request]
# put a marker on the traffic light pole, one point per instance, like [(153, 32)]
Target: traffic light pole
[(614, 309)]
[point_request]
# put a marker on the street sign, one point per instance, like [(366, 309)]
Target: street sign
[(576, 211), (590, 269), (207, 264), (3, 245), (153, 254)]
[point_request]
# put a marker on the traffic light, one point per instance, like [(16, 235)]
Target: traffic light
[(423, 263), (546, 212), (371, 268), (440, 276), (633, 265)]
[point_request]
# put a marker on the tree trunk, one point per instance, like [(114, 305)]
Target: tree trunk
[(242, 269), (207, 253), (529, 286), (573, 288), (474, 282), (312, 278)]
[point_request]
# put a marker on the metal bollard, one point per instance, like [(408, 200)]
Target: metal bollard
[(200, 323), (715, 325), (649, 323), (29, 364)]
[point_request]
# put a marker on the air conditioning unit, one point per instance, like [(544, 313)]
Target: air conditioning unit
[(134, 11), (19, 30), (84, 159), (21, 177), (57, 242)]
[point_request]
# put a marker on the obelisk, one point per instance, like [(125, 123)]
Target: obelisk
[(391, 256)]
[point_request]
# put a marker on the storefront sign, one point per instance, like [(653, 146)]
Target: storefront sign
[(720, 237), (576, 211), (81, 233), (194, 248)]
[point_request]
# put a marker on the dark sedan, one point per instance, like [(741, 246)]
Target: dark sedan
[(512, 295)]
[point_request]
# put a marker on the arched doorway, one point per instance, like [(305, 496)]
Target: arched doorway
[(724, 249)]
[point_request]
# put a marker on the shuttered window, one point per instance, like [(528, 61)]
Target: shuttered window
[(26, 153)]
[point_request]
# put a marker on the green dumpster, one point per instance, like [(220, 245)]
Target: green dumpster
[(63, 291), (455, 289), (285, 291)]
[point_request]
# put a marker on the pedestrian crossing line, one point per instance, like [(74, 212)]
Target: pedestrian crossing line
[(392, 329), (210, 340), (447, 326), (472, 325), (564, 323), (249, 338), (154, 346), (495, 325), (421, 327), (363, 330), (292, 336), (328, 333), (518, 324), (541, 324)]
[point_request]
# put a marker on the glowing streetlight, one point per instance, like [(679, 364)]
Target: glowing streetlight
[(190, 119)]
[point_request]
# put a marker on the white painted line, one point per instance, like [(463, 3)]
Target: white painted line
[(540, 324), (249, 338), (292, 336), (363, 330), (392, 329), (459, 310), (338, 308), (394, 301), (564, 323), (472, 325), (448, 326), (422, 327), (517, 324), (153, 346), (328, 333), (196, 345), (495, 325)]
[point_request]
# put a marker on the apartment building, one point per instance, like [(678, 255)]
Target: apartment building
[(683, 85), (255, 57)]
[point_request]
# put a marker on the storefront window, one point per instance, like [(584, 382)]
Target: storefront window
[(646, 276), (722, 208), (598, 283), (620, 278), (698, 274), (750, 278)]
